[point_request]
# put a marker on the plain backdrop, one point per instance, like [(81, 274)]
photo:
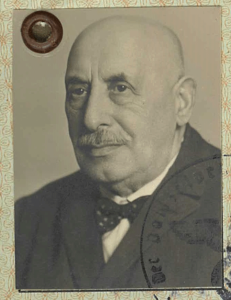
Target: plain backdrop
[(42, 148)]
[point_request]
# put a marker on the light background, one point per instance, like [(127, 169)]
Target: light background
[(42, 149), (7, 267)]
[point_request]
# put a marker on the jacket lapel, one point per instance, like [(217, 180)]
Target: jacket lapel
[(166, 207), (82, 241)]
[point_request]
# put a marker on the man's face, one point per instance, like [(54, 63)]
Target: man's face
[(120, 109)]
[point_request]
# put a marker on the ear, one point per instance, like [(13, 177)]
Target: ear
[(184, 90)]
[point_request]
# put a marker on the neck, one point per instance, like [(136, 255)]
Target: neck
[(131, 185)]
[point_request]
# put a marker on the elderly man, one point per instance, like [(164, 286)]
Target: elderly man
[(144, 209)]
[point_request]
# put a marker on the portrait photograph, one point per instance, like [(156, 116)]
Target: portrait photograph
[(117, 149)]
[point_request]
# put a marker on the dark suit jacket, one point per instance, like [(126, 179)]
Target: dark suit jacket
[(174, 242)]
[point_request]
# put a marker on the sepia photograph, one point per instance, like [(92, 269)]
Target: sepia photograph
[(117, 148)]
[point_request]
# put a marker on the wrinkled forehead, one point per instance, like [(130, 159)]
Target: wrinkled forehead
[(108, 53)]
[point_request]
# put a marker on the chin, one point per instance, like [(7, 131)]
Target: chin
[(114, 167)]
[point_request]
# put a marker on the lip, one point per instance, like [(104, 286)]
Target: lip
[(98, 151)]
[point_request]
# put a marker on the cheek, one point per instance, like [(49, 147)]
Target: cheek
[(151, 126), (139, 122), (161, 108), (131, 118)]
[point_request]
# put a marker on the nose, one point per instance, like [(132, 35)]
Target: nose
[(98, 110)]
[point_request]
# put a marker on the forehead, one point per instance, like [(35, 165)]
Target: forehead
[(107, 54)]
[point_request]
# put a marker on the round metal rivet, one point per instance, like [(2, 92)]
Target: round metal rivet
[(41, 31)]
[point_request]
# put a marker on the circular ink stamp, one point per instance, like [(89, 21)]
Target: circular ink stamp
[(41, 32), (181, 239)]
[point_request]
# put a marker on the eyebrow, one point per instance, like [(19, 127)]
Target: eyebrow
[(111, 79), (117, 77), (75, 80)]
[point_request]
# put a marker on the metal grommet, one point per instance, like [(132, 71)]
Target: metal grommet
[(41, 31)]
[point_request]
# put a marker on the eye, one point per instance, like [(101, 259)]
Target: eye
[(77, 96), (120, 88), (78, 91)]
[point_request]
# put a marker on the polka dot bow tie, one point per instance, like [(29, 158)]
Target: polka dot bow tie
[(109, 214)]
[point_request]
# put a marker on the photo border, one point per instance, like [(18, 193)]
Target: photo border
[(7, 249)]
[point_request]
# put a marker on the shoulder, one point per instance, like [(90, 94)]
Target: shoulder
[(47, 200), (196, 151), (195, 144)]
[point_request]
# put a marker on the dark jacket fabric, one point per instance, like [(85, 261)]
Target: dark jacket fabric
[(176, 240)]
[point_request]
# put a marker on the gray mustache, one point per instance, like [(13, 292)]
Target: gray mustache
[(101, 138)]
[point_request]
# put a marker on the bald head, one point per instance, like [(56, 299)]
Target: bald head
[(148, 43)]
